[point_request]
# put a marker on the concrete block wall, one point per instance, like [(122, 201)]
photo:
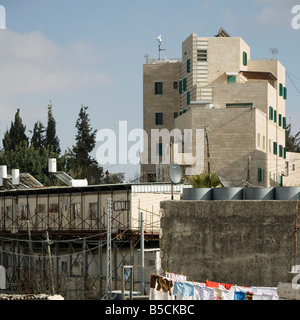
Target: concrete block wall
[(238, 242)]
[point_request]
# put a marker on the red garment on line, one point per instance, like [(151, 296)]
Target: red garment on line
[(213, 284)]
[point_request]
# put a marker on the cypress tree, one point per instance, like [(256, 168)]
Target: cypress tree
[(38, 136), (52, 141), (16, 134)]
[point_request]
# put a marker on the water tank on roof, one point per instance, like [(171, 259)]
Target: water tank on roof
[(197, 194), (3, 172), (287, 193), (228, 193), (259, 193), (52, 165), (15, 173)]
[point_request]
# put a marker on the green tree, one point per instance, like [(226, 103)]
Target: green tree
[(81, 163), (52, 141), (38, 138), (202, 180), (292, 142), (16, 134)]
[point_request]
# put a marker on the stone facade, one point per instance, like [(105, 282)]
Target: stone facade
[(240, 101)]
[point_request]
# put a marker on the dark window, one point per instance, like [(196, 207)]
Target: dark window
[(180, 86), (175, 114), (201, 55), (188, 98), (175, 85), (184, 84), (271, 114), (259, 175), (245, 58), (158, 88), (281, 89), (158, 118), (284, 93), (188, 66)]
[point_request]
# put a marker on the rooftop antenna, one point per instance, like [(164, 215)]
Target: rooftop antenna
[(273, 51), (159, 39)]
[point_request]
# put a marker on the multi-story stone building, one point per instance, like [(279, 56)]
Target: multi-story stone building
[(237, 104)]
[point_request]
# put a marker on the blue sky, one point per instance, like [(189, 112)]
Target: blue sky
[(91, 53)]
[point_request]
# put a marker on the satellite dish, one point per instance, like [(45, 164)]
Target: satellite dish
[(175, 173)]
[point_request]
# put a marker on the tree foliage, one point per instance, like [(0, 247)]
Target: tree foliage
[(292, 142), (202, 180), (52, 141), (16, 134)]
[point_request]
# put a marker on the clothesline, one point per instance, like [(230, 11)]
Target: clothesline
[(173, 286)]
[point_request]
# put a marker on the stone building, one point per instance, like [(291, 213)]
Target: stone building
[(236, 104)]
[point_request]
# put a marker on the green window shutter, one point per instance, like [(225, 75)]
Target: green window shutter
[(280, 151), (231, 79), (245, 58), (188, 98), (259, 175), (160, 149), (284, 153), (280, 120), (188, 66), (180, 86), (280, 181), (274, 147), (280, 89), (270, 113), (184, 84), (275, 116), (284, 123), (284, 93)]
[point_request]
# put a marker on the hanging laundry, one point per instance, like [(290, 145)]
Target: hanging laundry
[(184, 290), (240, 295)]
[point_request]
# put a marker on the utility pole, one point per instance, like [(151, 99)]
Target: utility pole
[(108, 251), (142, 255), (50, 263), (208, 155), (296, 231)]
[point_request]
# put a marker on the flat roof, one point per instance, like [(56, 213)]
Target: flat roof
[(259, 75)]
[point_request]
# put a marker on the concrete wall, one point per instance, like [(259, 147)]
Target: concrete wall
[(238, 242)]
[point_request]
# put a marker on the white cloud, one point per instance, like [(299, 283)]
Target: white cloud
[(31, 63), (275, 13)]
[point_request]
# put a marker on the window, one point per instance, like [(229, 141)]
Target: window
[(184, 84), (121, 205), (279, 120), (188, 66), (245, 58), (159, 149), (53, 207), (284, 153), (158, 118), (284, 123), (188, 98), (75, 210), (284, 93), (275, 116), (280, 89), (40, 208), (231, 79), (270, 113), (280, 181), (258, 140), (259, 175), (158, 87), (201, 55), (239, 105), (180, 87), (280, 151), (175, 85), (175, 115), (286, 169), (274, 147), (93, 210)]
